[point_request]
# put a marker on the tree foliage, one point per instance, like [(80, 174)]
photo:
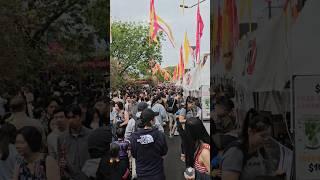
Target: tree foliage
[(31, 27), (131, 49)]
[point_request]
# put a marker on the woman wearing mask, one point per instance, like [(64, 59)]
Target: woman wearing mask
[(35, 165), (197, 148), (246, 158)]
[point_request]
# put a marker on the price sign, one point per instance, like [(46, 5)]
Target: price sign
[(314, 167), (306, 114)]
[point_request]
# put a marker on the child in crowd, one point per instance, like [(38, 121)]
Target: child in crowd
[(124, 149)]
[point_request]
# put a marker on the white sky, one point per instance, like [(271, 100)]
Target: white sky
[(170, 12)]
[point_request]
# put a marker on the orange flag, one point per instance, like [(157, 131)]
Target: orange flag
[(174, 73)]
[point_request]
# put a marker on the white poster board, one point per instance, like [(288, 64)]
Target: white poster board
[(205, 102), (306, 113)]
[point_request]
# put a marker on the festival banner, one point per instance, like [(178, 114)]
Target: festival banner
[(155, 26), (199, 33)]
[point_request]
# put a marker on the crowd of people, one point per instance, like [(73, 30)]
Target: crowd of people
[(158, 108), (240, 151), (65, 131)]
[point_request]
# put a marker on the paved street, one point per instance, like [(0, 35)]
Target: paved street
[(173, 166)]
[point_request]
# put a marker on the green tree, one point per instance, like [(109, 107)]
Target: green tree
[(30, 27), (131, 49)]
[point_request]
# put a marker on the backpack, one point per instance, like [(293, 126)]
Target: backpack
[(137, 124), (238, 145)]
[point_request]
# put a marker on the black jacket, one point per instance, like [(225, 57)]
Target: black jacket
[(148, 148)]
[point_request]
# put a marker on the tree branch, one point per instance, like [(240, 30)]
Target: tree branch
[(37, 35)]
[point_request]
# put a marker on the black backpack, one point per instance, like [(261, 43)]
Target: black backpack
[(138, 124)]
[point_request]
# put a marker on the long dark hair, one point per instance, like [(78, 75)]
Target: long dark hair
[(32, 136), (254, 120), (7, 136), (90, 117), (195, 133)]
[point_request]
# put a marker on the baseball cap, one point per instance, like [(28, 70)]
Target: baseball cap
[(148, 115), (142, 106)]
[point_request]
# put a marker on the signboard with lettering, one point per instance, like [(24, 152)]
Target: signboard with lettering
[(306, 114)]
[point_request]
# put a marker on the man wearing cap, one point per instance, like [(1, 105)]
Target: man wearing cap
[(148, 148)]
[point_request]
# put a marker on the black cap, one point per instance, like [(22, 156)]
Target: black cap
[(148, 115), (142, 106)]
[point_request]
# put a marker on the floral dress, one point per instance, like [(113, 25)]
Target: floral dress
[(39, 170)]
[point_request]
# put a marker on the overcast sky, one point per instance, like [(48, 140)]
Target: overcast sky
[(170, 12)]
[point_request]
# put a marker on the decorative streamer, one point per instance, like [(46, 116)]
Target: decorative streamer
[(181, 73), (174, 74), (177, 71), (186, 47), (155, 26), (199, 31), (230, 31)]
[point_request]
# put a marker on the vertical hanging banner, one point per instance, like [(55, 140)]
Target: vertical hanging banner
[(186, 47), (306, 114), (199, 31), (181, 68), (155, 26)]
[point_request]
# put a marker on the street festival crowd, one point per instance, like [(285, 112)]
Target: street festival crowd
[(62, 131)]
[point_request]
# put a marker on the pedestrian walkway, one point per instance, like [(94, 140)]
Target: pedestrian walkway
[(173, 166)]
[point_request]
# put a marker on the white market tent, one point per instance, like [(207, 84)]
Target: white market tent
[(197, 77)]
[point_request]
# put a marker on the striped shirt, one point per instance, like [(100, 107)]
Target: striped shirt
[(199, 166)]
